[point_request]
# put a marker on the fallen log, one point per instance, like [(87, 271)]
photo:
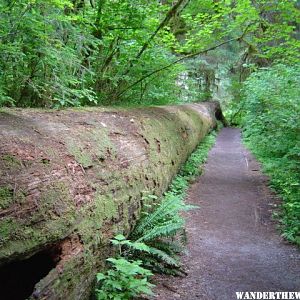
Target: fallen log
[(71, 179)]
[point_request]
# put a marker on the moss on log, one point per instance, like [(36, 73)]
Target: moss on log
[(71, 179)]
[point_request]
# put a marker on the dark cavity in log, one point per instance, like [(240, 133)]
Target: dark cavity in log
[(18, 278)]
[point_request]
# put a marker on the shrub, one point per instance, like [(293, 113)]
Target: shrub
[(272, 131)]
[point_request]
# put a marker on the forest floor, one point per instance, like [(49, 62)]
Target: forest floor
[(233, 244)]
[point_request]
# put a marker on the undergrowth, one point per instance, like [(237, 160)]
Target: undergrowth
[(284, 180), (157, 239), (271, 124)]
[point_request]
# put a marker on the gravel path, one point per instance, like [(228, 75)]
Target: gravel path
[(233, 244)]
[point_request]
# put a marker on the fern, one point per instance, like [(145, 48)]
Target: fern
[(152, 219), (167, 229), (158, 267), (158, 231), (164, 257), (173, 247), (165, 221)]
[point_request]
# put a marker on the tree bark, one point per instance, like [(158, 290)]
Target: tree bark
[(71, 179)]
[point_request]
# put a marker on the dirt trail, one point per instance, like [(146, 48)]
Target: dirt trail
[(233, 245)]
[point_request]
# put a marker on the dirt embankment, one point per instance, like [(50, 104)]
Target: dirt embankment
[(71, 179)]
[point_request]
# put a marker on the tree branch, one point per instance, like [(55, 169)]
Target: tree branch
[(162, 24), (175, 62), (239, 38)]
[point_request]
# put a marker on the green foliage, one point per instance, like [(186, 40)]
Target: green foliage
[(66, 53), (197, 158), (120, 241), (40, 65), (125, 280), (158, 230), (270, 118), (72, 53)]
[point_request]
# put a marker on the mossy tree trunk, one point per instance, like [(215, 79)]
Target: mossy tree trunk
[(70, 180)]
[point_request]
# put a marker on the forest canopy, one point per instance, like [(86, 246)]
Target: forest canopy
[(56, 53)]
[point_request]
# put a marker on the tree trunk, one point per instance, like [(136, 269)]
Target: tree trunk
[(71, 179)]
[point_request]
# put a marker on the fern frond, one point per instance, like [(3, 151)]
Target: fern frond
[(170, 247), (168, 208), (168, 229), (164, 257), (158, 267)]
